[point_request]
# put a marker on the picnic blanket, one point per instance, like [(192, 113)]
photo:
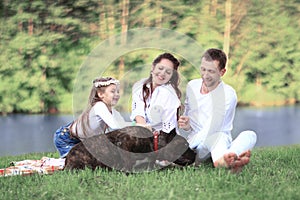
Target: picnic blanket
[(45, 165)]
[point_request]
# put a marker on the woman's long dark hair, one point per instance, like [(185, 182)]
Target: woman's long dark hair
[(174, 81)]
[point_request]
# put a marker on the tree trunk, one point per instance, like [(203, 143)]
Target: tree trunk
[(158, 20), (30, 26), (20, 23), (111, 24), (124, 23), (213, 10), (226, 44), (102, 22)]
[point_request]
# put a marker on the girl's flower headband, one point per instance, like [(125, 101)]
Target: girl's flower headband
[(106, 83)]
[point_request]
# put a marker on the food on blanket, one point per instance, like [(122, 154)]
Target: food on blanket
[(27, 167)]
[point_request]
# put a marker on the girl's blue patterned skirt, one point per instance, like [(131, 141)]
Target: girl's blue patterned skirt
[(63, 140)]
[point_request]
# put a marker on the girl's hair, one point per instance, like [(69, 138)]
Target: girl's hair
[(99, 85), (174, 81)]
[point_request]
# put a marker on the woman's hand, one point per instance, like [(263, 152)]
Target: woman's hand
[(140, 121), (145, 126)]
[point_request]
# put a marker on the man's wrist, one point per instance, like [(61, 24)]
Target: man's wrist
[(185, 133), (188, 129)]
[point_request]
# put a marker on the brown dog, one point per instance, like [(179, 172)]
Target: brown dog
[(130, 149)]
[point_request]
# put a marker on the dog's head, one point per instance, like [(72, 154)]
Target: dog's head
[(175, 148)]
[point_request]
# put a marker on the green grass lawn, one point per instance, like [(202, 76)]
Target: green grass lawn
[(273, 173)]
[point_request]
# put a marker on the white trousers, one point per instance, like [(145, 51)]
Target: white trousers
[(221, 143)]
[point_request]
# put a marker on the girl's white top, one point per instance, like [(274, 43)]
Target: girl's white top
[(101, 120), (161, 107)]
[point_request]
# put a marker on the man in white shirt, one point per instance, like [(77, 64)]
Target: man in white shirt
[(209, 113)]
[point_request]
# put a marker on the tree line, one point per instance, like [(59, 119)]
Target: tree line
[(44, 43)]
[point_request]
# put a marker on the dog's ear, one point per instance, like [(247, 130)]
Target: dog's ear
[(162, 139), (168, 136)]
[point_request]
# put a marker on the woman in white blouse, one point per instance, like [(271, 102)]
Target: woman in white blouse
[(156, 100)]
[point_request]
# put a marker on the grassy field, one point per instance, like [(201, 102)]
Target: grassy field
[(274, 173)]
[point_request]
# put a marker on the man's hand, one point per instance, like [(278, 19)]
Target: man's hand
[(184, 123)]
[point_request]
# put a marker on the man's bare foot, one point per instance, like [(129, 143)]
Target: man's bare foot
[(226, 161), (242, 160), (239, 163), (233, 162), (245, 154)]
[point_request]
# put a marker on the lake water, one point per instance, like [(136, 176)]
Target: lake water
[(20, 134)]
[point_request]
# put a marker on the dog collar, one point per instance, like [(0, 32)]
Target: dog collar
[(155, 140)]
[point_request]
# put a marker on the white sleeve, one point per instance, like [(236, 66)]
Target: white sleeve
[(101, 110), (186, 102), (187, 108), (190, 135), (138, 104), (165, 104), (230, 107), (120, 120)]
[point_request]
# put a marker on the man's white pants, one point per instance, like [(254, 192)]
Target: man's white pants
[(221, 143)]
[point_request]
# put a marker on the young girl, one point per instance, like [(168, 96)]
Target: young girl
[(155, 100), (100, 117)]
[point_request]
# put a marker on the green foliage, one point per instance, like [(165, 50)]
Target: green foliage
[(263, 57), (46, 36), (262, 96), (44, 43)]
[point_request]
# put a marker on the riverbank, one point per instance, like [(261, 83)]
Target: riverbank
[(276, 167), (263, 99), (262, 104), (275, 126)]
